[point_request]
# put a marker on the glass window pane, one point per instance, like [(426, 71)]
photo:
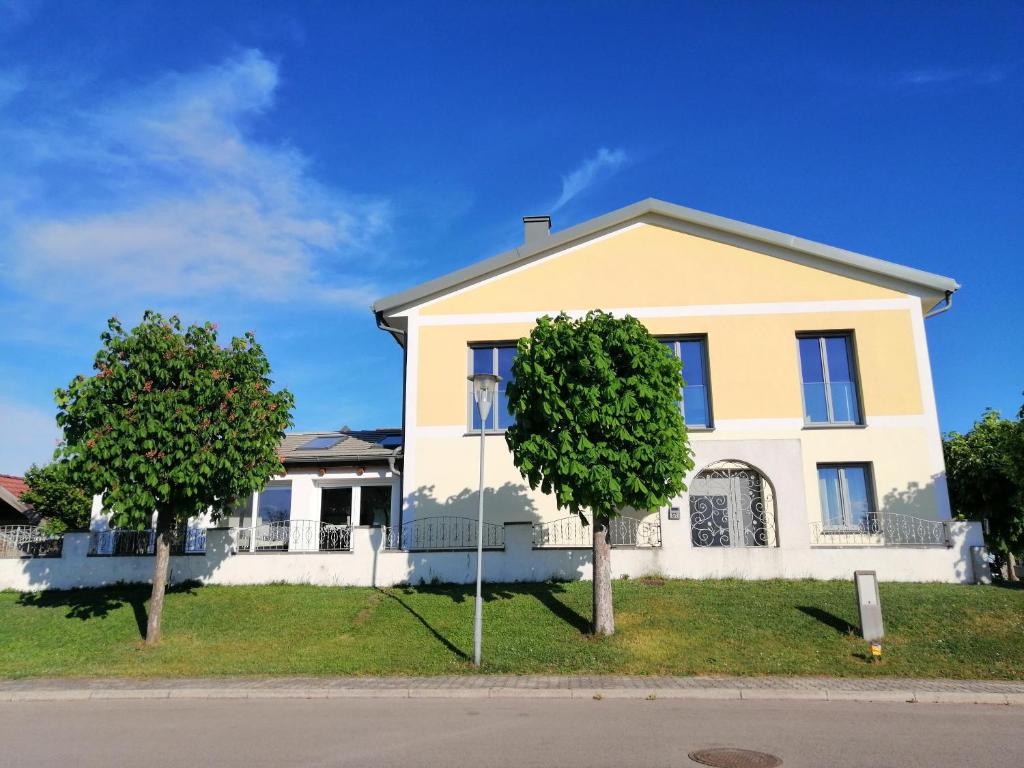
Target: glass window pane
[(483, 360), (831, 499), (695, 406), (336, 506), (844, 401), (275, 504), (815, 407), (856, 480), (837, 351), (375, 505), (810, 361), (693, 361)]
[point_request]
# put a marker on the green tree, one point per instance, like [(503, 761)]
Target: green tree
[(598, 423), (175, 424), (985, 475), (52, 493)]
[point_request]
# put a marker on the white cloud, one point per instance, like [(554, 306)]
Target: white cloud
[(602, 165), (30, 435), (943, 75), (163, 190)]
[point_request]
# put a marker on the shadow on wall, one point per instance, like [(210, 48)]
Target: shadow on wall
[(915, 499), (75, 567), (918, 500), (507, 503)]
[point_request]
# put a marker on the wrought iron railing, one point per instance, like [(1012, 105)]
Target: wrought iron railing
[(28, 541), (883, 529), (622, 532), (294, 536), (119, 542), (443, 533)]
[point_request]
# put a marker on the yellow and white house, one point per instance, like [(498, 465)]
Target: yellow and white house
[(809, 404), (809, 397)]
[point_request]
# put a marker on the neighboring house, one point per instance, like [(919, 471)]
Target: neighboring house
[(13, 511), (809, 396)]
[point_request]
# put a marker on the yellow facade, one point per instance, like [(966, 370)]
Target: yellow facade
[(750, 305)]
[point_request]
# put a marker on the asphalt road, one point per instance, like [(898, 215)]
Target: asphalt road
[(486, 733)]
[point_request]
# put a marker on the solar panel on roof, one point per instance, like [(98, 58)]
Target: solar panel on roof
[(391, 441), (320, 443)]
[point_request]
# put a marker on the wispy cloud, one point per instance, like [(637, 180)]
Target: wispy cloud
[(30, 436), (602, 165), (943, 76), (164, 190)]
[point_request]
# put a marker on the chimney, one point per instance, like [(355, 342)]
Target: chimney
[(535, 229)]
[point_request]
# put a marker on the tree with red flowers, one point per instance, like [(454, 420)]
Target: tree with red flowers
[(172, 423)]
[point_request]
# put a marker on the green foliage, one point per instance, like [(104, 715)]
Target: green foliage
[(172, 422), (985, 474), (598, 421), (55, 497)]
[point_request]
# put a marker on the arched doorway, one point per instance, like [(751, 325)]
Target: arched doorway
[(732, 505)]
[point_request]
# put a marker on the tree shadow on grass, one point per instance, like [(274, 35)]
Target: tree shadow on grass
[(546, 594), (393, 595), (86, 604), (842, 626)]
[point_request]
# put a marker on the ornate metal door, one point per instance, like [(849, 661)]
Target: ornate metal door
[(731, 506)]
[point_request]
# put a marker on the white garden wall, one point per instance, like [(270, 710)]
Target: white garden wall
[(369, 564)]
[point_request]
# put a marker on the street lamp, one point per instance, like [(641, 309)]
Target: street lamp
[(485, 386)]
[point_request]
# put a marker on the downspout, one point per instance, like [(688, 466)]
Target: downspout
[(947, 305), (399, 336)]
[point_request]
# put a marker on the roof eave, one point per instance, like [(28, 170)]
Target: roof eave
[(910, 276)]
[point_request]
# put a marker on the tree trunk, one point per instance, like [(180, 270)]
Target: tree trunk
[(161, 561), (604, 613), (1011, 567)]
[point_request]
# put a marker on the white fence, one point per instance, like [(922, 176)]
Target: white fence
[(369, 562)]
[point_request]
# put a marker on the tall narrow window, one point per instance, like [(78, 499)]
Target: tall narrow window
[(829, 379), (692, 353), (493, 358), (846, 498)]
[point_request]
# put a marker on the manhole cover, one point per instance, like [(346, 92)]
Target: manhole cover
[(730, 757)]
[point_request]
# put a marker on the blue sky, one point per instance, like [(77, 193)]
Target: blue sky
[(276, 167)]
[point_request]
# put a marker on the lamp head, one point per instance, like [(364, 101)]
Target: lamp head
[(485, 386)]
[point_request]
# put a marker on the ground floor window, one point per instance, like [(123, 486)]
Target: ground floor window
[(375, 505), (846, 497), (732, 505), (336, 506)]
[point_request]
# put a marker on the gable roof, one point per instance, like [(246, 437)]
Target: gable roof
[(655, 211), (11, 488), (354, 446)]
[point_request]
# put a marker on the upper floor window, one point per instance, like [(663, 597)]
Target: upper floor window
[(846, 497), (828, 372), (493, 358), (692, 352)]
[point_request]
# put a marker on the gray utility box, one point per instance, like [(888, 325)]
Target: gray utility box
[(870, 605)]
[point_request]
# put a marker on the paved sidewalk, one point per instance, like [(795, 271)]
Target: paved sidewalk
[(525, 686)]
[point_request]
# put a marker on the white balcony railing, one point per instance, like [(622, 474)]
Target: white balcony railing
[(883, 529), (28, 541), (622, 532), (119, 542), (294, 536)]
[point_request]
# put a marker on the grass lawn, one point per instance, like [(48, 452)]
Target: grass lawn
[(670, 627)]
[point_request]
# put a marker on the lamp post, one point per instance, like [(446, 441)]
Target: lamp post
[(485, 386)]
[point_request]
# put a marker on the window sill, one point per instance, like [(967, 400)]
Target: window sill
[(809, 425), (700, 429), (487, 432)]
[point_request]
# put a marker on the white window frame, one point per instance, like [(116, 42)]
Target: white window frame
[(852, 363), (494, 346), (845, 503), (705, 364)]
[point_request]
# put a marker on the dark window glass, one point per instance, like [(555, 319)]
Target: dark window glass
[(375, 505), (336, 506), (275, 504), (693, 358), (495, 359), (829, 383)]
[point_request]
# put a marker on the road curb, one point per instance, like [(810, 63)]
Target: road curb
[(495, 692)]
